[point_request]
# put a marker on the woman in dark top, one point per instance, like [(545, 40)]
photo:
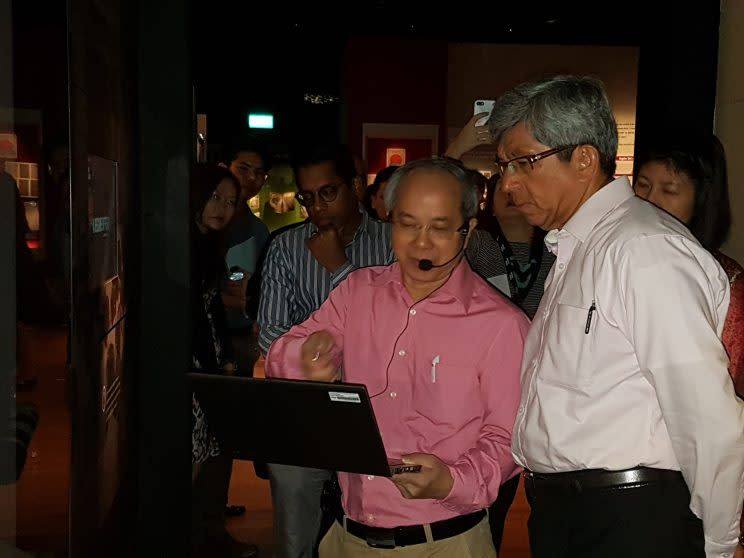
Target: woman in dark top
[(524, 261), (214, 195)]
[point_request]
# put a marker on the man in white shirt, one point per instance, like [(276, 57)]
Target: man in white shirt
[(629, 429)]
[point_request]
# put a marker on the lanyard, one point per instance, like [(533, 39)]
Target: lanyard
[(520, 280)]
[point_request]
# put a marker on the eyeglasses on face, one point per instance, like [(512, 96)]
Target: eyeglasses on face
[(326, 194), (436, 231), (526, 163)]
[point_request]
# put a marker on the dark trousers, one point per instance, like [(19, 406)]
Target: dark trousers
[(650, 521), (208, 501), (498, 510)]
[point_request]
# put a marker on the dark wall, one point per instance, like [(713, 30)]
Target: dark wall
[(394, 80), (252, 55), (677, 73), (102, 166), (166, 148), (8, 253)]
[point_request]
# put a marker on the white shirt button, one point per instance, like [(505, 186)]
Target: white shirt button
[(521, 409), (561, 265), (412, 311), (401, 353), (370, 517), (370, 477), (393, 394)]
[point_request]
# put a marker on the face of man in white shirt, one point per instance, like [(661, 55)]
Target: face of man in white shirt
[(549, 191)]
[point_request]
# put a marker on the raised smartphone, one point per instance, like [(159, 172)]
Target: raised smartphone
[(483, 105)]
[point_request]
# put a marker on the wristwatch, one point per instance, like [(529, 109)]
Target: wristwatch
[(741, 540)]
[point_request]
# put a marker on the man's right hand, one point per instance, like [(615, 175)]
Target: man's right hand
[(470, 137), (317, 357)]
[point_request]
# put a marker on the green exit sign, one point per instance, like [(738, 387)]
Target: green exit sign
[(263, 121)]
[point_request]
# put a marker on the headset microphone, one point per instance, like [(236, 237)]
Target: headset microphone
[(426, 265)]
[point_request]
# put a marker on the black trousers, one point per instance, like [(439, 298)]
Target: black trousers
[(498, 510), (650, 521), (208, 501)]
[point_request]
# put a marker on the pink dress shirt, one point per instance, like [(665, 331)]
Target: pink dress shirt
[(443, 374)]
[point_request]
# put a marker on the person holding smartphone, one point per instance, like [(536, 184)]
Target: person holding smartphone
[(510, 254)]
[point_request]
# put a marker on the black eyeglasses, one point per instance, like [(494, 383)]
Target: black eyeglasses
[(326, 194), (523, 162), (438, 232)]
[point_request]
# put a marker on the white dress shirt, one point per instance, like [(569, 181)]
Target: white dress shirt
[(624, 366)]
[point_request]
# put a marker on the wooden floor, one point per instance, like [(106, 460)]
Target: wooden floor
[(34, 512)]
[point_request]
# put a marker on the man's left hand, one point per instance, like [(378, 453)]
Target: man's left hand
[(432, 481), (739, 552), (327, 247)]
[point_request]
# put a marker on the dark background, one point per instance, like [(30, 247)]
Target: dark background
[(266, 56)]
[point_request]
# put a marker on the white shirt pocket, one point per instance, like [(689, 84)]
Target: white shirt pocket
[(568, 355)]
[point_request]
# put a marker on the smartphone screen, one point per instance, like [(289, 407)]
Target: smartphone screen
[(483, 105)]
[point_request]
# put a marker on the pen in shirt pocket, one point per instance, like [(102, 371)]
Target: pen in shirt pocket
[(592, 309), (434, 363)]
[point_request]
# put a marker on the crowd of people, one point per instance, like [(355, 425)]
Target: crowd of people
[(587, 333)]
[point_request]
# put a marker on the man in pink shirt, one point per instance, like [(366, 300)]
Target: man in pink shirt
[(440, 351)]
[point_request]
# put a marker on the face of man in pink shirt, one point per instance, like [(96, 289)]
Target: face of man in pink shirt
[(427, 220)]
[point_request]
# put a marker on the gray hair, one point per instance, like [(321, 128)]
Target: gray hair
[(560, 111), (469, 192)]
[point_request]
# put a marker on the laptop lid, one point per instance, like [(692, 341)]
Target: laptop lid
[(294, 422)]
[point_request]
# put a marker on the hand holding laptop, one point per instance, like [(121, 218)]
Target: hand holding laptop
[(434, 480), (317, 357)]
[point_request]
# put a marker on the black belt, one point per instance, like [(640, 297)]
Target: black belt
[(378, 537), (539, 485)]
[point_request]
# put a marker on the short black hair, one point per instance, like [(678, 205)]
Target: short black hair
[(241, 145), (335, 153), (384, 175), (703, 160)]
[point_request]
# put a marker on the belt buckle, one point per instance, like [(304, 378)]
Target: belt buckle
[(380, 538)]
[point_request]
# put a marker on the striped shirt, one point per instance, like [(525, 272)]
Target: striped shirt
[(294, 284)]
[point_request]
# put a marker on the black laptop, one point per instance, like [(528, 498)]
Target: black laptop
[(294, 422)]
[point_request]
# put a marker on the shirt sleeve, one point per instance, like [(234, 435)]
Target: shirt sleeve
[(283, 358), (675, 298), (733, 335), (277, 296), (479, 473)]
